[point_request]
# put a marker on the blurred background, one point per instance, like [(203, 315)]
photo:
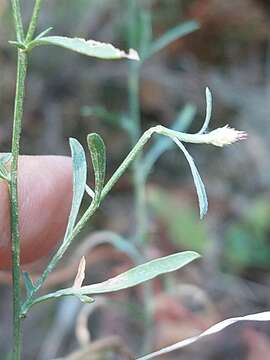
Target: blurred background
[(71, 95)]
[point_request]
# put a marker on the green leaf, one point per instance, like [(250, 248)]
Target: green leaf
[(208, 114), (130, 278), (202, 197), (98, 154), (28, 284), (145, 24), (86, 47), (142, 273), (43, 33), (79, 182), (172, 35)]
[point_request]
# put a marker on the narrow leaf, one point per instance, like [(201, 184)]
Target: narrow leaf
[(146, 32), (98, 154), (28, 284), (202, 197), (142, 273), (263, 316), (86, 47), (80, 274), (172, 35), (79, 182), (130, 278), (208, 96), (43, 33)]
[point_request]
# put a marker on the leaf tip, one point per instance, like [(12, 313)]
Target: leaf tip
[(80, 274), (195, 255), (72, 140), (133, 55), (203, 209)]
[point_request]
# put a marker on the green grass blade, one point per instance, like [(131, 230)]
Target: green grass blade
[(172, 35)]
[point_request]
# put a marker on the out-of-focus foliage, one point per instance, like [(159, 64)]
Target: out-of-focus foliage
[(180, 220), (247, 238)]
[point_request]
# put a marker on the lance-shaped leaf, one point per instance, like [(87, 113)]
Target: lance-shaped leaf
[(202, 197), (79, 182), (91, 48), (172, 35), (79, 280), (98, 154), (130, 278), (208, 114), (80, 274)]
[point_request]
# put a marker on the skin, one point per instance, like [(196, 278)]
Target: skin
[(45, 195)]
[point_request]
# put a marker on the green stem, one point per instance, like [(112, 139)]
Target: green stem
[(60, 252), (125, 164), (134, 109), (33, 22), (58, 255), (87, 215), (13, 185), (18, 114), (138, 180), (16, 9), (185, 137), (192, 138)]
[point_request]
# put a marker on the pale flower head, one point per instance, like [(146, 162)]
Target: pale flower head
[(225, 136)]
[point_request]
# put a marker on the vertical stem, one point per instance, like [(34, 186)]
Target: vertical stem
[(139, 180), (17, 19), (14, 224), (13, 185), (134, 108), (34, 20), (18, 114)]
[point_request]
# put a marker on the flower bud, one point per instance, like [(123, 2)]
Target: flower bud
[(225, 136)]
